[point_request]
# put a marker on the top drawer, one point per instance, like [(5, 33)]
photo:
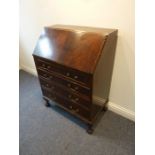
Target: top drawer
[(69, 73)]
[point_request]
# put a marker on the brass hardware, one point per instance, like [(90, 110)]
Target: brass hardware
[(69, 85), (45, 75), (53, 88), (77, 110), (68, 74), (77, 99), (51, 77), (75, 77), (76, 88), (69, 96), (72, 100)]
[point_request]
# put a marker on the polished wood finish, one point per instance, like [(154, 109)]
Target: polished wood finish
[(67, 62), (78, 49)]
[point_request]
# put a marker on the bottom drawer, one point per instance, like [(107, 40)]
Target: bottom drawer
[(73, 108), (48, 94)]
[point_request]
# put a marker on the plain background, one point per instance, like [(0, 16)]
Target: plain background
[(145, 75), (119, 14)]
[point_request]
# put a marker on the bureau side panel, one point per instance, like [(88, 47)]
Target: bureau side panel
[(103, 72)]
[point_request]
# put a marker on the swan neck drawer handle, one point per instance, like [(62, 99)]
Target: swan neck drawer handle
[(77, 110), (45, 75), (70, 107), (75, 77), (43, 65), (77, 99), (76, 88), (69, 96), (69, 85), (47, 85), (48, 67), (68, 74), (51, 77)]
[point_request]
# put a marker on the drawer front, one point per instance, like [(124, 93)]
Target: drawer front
[(71, 97), (77, 100), (63, 71), (65, 83), (73, 108), (50, 95), (78, 110), (47, 85)]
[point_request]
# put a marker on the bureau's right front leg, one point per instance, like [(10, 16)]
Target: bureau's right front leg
[(90, 129)]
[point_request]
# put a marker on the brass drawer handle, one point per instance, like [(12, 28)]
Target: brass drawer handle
[(68, 74), (76, 88), (76, 99), (75, 77), (47, 85), (43, 65), (70, 107), (73, 100), (51, 77), (69, 85), (69, 96), (77, 110), (45, 75), (48, 67)]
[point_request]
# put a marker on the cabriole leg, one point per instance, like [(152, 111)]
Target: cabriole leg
[(90, 129), (47, 104)]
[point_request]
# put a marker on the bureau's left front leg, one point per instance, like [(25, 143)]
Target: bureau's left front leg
[(47, 104)]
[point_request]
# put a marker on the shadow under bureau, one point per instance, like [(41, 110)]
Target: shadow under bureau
[(69, 59)]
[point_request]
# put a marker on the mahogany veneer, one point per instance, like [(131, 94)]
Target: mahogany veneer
[(67, 63)]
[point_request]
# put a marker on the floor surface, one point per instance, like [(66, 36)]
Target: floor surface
[(52, 131)]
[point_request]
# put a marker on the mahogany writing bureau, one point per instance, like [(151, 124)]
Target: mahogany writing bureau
[(67, 59)]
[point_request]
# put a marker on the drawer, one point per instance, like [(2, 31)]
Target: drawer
[(50, 95), (46, 85), (74, 98), (69, 73), (73, 108), (77, 100), (74, 87)]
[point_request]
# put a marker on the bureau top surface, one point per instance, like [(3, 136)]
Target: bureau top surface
[(72, 46)]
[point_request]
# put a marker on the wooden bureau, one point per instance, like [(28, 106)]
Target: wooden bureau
[(68, 59)]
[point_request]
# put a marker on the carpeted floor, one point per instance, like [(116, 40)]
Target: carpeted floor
[(52, 131)]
